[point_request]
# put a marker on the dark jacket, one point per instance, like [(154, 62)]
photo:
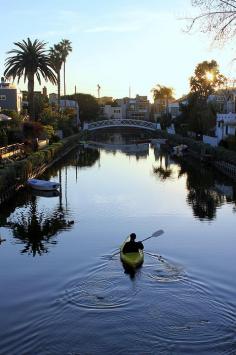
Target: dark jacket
[(132, 247)]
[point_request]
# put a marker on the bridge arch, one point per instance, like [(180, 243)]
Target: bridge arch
[(129, 123)]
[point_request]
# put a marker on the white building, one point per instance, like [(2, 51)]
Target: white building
[(225, 125), (225, 99), (138, 108), (226, 117), (113, 112)]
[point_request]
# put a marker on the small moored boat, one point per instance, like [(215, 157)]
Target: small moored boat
[(132, 260), (43, 185)]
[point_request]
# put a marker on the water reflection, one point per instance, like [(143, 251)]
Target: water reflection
[(87, 157), (139, 150), (36, 229), (33, 225), (180, 302), (207, 190), (163, 170)]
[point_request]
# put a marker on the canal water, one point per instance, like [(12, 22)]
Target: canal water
[(63, 289)]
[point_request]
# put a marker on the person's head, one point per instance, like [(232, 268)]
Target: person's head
[(132, 237)]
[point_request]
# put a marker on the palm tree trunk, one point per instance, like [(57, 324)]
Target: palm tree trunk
[(64, 78), (58, 90), (31, 96)]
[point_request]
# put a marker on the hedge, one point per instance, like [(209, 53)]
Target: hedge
[(18, 172)]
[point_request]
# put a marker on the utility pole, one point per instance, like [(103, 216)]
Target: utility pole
[(99, 89)]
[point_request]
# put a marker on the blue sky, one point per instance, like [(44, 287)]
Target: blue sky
[(116, 43)]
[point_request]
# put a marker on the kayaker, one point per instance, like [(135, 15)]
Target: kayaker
[(132, 246)]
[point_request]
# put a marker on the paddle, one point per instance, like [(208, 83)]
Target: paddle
[(154, 235)]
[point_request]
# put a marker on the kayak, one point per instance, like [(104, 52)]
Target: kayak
[(132, 260)]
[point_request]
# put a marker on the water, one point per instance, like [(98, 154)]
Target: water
[(63, 289)]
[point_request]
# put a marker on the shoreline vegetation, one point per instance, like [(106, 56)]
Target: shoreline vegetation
[(222, 159), (15, 175)]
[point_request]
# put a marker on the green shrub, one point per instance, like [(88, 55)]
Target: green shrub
[(19, 171)]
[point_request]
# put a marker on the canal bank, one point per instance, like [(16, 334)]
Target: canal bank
[(222, 159), (15, 175)]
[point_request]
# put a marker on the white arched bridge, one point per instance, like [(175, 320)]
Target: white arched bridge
[(116, 123)]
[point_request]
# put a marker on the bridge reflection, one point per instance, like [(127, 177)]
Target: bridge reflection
[(140, 149)]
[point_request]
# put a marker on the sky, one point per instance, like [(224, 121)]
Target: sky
[(116, 43)]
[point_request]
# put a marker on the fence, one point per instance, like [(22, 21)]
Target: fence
[(210, 140)]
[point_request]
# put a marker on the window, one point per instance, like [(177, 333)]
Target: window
[(3, 97)]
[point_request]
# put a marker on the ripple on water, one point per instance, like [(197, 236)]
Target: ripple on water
[(180, 318), (162, 270), (101, 289)]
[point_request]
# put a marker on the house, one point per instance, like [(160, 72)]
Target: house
[(53, 99), (226, 116), (138, 108), (10, 96), (71, 104), (110, 111), (225, 100), (225, 125), (131, 108), (172, 107), (64, 104), (105, 100)]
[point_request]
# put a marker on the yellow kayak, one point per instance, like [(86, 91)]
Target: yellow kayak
[(133, 260)]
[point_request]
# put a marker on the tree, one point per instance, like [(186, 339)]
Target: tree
[(206, 79), (28, 60), (40, 103), (56, 55), (199, 113), (66, 48), (163, 93), (88, 106), (217, 17)]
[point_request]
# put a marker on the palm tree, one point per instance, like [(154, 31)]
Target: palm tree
[(57, 61), (30, 59), (163, 93), (66, 49)]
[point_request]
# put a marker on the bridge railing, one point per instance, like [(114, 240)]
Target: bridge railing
[(121, 123)]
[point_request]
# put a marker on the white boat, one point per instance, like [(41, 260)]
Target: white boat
[(43, 185)]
